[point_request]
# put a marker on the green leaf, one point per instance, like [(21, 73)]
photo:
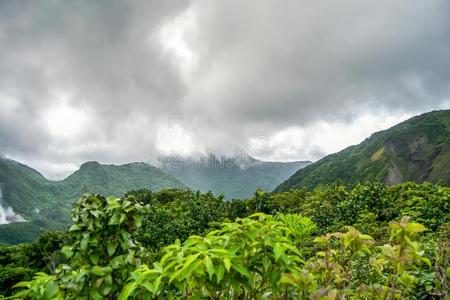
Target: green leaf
[(94, 257), (96, 213), (84, 241), (101, 271), (415, 228), (156, 284), (221, 252), (25, 284), (127, 291), (278, 251), (274, 277), (187, 266), (288, 279), (188, 271), (243, 270), (80, 274), (292, 248), (67, 251), (227, 263), (115, 219), (122, 218), (220, 273), (95, 294), (75, 227), (209, 266), (51, 290), (174, 275), (427, 261), (266, 263), (165, 257), (117, 262), (111, 247)]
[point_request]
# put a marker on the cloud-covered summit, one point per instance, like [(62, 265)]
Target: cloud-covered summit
[(90, 80)]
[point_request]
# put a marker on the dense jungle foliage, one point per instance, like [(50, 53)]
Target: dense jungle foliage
[(368, 242)]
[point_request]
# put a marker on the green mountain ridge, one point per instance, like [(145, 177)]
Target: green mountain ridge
[(26, 190), (45, 204), (117, 180), (235, 177), (415, 150)]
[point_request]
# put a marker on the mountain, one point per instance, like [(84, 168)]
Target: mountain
[(415, 150), (96, 178), (234, 177), (27, 195), (26, 191)]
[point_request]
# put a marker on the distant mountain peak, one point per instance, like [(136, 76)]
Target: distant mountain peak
[(217, 160), (90, 164), (235, 176)]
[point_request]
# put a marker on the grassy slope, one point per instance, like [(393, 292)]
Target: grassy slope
[(415, 150)]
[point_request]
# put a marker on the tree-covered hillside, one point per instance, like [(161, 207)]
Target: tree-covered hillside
[(46, 204), (93, 177), (235, 177), (27, 191), (415, 150)]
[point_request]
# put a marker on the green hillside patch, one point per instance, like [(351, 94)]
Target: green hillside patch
[(27, 232)]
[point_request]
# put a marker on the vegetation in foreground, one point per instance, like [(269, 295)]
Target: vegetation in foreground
[(327, 244)]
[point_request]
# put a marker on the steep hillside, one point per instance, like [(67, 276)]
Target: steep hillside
[(26, 191), (29, 193), (44, 204), (415, 150), (234, 177)]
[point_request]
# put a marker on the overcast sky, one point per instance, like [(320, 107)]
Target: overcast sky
[(284, 80)]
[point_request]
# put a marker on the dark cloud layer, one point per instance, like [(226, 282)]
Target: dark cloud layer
[(235, 70)]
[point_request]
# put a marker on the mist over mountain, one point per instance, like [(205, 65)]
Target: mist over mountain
[(7, 214), (235, 176)]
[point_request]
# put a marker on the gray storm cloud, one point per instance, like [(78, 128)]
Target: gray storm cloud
[(93, 80)]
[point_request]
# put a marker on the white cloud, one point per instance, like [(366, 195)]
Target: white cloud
[(174, 36), (173, 139), (188, 76), (64, 121), (313, 141)]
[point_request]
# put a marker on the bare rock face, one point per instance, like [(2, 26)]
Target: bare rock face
[(411, 160), (394, 175)]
